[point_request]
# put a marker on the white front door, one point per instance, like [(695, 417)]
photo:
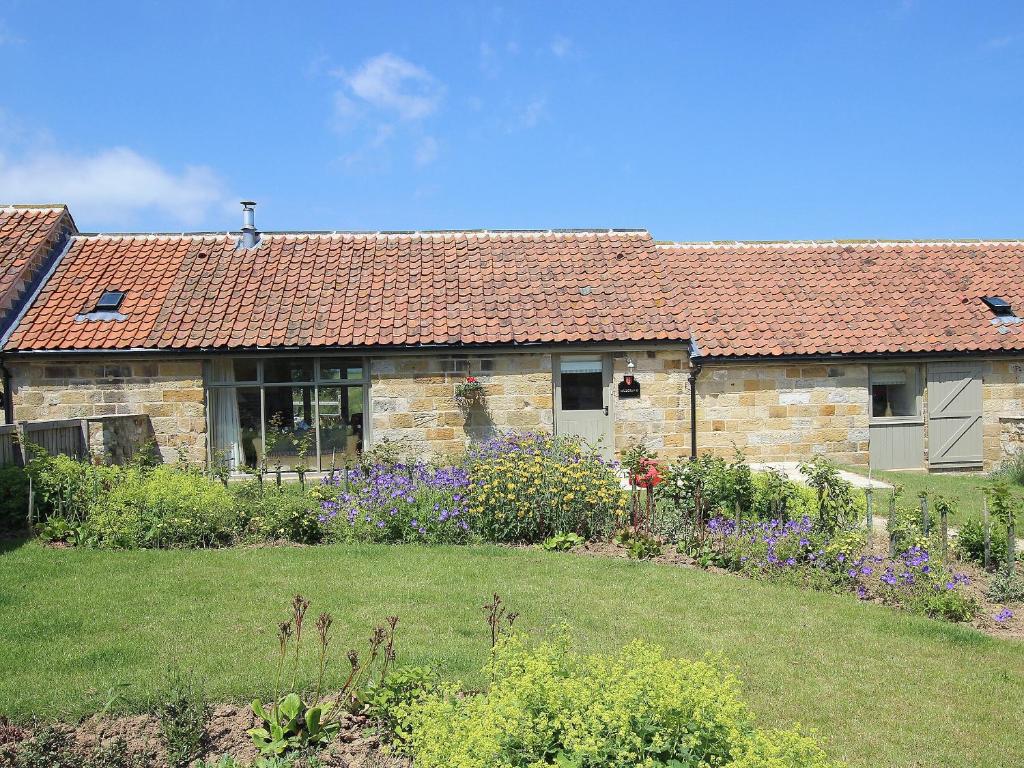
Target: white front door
[(583, 398)]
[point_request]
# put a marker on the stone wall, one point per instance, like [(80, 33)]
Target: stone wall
[(413, 399), (1002, 410), (784, 412), (170, 392), (118, 438), (661, 415)]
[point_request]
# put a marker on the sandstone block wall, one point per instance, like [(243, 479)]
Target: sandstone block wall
[(784, 412), (1002, 410), (413, 400), (661, 415), (170, 392)]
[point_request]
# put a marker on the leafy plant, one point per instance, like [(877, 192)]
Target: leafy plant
[(525, 488), (837, 509), (552, 705), (943, 604), (182, 711), (291, 723), (970, 542), (59, 530), (639, 545), (13, 499), (163, 507), (562, 542), (1006, 587), (388, 701), (49, 747)]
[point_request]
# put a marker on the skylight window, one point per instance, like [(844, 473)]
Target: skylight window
[(1000, 307), (110, 301)]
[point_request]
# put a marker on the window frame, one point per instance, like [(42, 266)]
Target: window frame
[(918, 393), (315, 383)]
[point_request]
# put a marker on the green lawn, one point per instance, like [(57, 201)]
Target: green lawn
[(883, 688), (965, 490)]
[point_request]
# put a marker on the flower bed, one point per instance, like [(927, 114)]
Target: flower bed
[(400, 503)]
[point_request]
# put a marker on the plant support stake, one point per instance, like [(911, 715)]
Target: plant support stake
[(1011, 547), (924, 513), (988, 532), (943, 530), (870, 512)]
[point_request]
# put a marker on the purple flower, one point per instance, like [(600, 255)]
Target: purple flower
[(1004, 615)]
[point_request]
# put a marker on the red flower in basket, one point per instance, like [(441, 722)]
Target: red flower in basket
[(471, 379), (648, 476)]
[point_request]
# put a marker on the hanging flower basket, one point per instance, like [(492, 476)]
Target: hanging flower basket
[(469, 392)]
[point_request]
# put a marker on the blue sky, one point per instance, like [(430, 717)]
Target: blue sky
[(712, 120)]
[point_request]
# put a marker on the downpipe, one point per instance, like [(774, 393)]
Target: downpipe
[(695, 369), (5, 382)]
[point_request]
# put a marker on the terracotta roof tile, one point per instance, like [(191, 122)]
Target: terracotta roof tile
[(848, 298), (28, 235), (201, 292)]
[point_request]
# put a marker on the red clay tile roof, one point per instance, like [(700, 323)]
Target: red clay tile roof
[(27, 235), (197, 292), (848, 298), (201, 292)]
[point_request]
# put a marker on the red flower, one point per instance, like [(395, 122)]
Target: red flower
[(471, 379)]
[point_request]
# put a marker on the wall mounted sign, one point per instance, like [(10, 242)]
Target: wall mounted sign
[(629, 387)]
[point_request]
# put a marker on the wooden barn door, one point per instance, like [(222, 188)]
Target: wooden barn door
[(954, 415)]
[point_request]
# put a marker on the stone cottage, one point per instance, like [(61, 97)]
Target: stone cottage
[(313, 346)]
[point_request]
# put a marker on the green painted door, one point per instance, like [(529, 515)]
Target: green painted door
[(954, 415)]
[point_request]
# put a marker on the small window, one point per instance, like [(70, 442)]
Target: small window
[(894, 392), (1000, 307), (110, 301), (582, 384)]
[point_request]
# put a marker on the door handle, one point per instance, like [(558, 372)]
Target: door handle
[(606, 410)]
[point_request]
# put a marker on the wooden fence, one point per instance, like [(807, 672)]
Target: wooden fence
[(10, 446), (67, 436)]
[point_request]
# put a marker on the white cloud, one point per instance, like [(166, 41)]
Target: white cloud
[(561, 46), (426, 151), (1002, 42), (533, 112), (111, 185), (7, 37), (392, 84)]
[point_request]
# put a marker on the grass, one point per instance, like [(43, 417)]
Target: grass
[(81, 627), (966, 490)]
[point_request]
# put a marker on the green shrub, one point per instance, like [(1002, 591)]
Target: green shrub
[(776, 498), (1006, 587), (526, 488), (402, 688), (182, 710), (951, 605), (67, 487), (836, 503), (273, 513), (13, 499), (721, 485), (164, 507), (551, 705), (970, 542)]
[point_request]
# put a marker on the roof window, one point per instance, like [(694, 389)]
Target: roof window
[(110, 301), (1000, 307)]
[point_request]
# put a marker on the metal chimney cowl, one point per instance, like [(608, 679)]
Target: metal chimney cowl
[(250, 237)]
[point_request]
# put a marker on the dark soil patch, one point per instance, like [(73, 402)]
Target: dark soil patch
[(357, 745)]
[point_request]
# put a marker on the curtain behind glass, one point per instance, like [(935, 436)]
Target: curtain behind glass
[(227, 426)]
